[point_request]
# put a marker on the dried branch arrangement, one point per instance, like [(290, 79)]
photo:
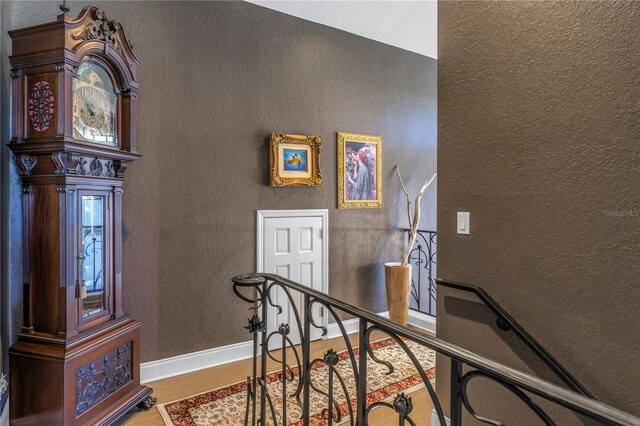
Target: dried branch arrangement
[(413, 224)]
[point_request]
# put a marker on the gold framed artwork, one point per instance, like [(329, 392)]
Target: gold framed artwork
[(294, 160), (359, 171)]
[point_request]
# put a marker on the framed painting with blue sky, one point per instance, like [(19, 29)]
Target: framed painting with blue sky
[(294, 160)]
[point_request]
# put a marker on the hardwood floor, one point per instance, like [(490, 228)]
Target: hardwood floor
[(201, 381)]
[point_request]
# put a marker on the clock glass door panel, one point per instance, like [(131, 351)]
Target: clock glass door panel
[(95, 105), (93, 254)]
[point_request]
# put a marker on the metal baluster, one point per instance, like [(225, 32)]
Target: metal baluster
[(331, 359), (255, 379), (284, 331), (330, 396), (247, 406), (306, 357), (255, 326), (403, 406), (432, 254), (362, 373), (456, 399), (430, 272), (263, 356)]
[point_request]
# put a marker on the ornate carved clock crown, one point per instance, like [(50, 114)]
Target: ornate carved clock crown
[(74, 88)]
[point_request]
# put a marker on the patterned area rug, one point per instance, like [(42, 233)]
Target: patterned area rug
[(226, 406)]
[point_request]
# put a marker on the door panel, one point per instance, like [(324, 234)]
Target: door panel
[(293, 247)]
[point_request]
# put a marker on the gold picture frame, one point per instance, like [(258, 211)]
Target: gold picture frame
[(294, 160), (359, 171)]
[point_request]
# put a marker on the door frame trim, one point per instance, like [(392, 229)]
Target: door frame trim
[(262, 215)]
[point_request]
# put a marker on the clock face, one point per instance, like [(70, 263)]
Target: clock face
[(95, 105)]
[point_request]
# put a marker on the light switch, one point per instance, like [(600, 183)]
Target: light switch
[(463, 223)]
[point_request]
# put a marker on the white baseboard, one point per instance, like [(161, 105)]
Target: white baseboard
[(195, 361), (350, 326), (436, 422), (417, 319), (424, 321)]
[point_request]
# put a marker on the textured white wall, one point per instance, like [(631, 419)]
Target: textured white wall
[(410, 25)]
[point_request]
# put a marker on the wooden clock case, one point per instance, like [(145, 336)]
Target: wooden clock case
[(67, 368)]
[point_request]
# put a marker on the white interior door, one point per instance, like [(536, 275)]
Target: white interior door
[(294, 245)]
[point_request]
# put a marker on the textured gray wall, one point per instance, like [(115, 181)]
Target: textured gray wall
[(217, 78), (538, 126)]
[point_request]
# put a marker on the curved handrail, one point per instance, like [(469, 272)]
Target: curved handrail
[(506, 322), (557, 394)]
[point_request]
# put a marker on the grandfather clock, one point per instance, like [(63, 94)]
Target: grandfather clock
[(77, 358)]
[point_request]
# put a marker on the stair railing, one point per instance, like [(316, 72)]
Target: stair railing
[(506, 323), (259, 290)]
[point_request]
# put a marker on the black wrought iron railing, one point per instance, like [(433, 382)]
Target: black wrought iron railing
[(506, 323), (423, 259), (296, 385)]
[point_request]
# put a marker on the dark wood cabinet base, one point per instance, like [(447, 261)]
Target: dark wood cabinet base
[(140, 397), (92, 380)]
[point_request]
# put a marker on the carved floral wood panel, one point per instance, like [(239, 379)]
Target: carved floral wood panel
[(41, 106), (100, 378)]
